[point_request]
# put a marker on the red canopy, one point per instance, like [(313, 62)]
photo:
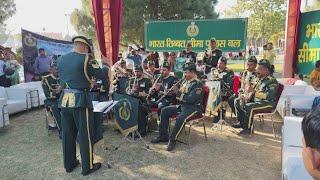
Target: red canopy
[(107, 15)]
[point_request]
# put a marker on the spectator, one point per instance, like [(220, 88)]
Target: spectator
[(300, 81), (9, 69), (2, 67), (134, 56), (311, 143), (315, 77), (42, 64), (269, 54)]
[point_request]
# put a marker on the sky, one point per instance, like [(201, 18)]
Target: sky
[(34, 15), (51, 17)]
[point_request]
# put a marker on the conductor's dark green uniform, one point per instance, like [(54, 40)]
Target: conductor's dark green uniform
[(76, 71), (49, 85)]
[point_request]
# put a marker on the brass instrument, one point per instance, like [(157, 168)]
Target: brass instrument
[(153, 86), (245, 97), (169, 91), (120, 72), (135, 83)]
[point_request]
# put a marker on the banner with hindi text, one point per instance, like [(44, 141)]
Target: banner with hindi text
[(309, 42), (231, 34)]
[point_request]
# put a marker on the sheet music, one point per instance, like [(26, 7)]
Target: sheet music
[(101, 106)]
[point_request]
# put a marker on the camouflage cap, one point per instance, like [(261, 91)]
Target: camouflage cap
[(213, 39), (166, 64), (253, 59), (138, 68), (223, 59), (190, 66), (265, 63)]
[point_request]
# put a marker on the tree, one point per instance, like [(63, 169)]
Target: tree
[(266, 18), (7, 9), (136, 12), (83, 21), (3, 34), (315, 6)]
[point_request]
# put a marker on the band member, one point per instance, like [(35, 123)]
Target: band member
[(139, 87), (120, 78), (161, 88), (188, 53), (190, 97), (100, 89), (225, 76), (152, 69), (264, 93), (247, 78), (200, 68), (145, 65), (52, 92), (212, 56), (76, 70)]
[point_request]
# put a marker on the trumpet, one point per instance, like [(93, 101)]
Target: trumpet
[(169, 91)]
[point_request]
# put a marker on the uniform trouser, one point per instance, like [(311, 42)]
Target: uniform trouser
[(143, 119), (245, 113), (165, 115), (231, 102), (56, 114), (77, 121)]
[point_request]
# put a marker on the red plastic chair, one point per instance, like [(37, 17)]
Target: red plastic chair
[(269, 112), (236, 84), (196, 117)]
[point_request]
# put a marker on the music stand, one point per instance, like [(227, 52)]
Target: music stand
[(221, 121), (132, 131)]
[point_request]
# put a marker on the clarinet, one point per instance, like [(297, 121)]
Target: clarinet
[(171, 89)]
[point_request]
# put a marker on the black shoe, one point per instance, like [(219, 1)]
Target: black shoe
[(171, 145), (52, 128), (77, 163), (60, 135), (158, 140), (245, 132), (95, 167), (237, 126), (216, 119)]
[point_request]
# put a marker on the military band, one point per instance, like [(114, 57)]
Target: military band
[(81, 80)]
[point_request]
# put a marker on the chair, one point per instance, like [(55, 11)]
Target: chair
[(269, 112), (235, 87), (196, 117)]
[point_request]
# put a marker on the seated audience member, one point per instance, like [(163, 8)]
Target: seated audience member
[(296, 80), (315, 76), (300, 81), (311, 143)]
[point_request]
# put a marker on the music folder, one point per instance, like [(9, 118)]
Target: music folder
[(104, 106)]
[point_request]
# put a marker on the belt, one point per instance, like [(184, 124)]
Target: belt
[(72, 91)]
